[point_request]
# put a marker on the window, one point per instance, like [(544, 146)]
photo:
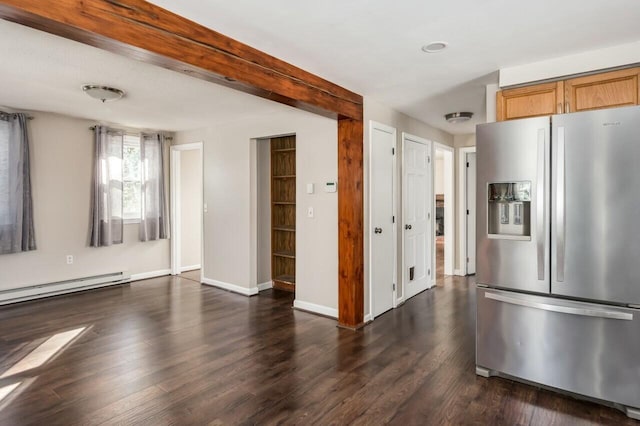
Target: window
[(4, 173), (131, 179)]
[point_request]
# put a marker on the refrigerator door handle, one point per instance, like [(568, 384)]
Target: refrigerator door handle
[(560, 207), (585, 312), (541, 203)]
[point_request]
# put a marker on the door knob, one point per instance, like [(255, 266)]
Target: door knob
[(377, 230), (407, 227)]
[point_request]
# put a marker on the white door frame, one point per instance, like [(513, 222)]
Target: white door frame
[(383, 127), (431, 263), (462, 218), (449, 210), (175, 194)]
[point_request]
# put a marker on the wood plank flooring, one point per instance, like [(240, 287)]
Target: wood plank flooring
[(170, 351)]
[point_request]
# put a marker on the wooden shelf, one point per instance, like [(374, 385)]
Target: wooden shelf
[(287, 279), (285, 253), (283, 213)]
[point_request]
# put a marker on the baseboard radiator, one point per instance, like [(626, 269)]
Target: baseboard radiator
[(62, 287)]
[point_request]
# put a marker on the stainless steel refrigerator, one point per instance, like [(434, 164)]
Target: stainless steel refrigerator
[(558, 253)]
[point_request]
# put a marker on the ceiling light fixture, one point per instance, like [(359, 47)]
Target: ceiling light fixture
[(103, 93), (458, 117), (435, 46)]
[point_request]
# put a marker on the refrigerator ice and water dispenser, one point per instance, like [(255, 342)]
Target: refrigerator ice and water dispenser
[(509, 214)]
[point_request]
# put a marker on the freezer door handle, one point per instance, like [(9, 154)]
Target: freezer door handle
[(585, 312), (560, 207), (540, 203)]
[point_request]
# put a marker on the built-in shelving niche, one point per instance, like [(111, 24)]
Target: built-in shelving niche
[(283, 212)]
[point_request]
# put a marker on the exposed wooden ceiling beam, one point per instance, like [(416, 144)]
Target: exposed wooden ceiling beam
[(143, 31)]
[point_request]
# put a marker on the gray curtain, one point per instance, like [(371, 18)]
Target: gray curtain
[(16, 207), (154, 224), (106, 196)]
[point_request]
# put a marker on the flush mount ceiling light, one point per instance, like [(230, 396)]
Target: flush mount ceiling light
[(103, 93), (435, 46), (458, 117)]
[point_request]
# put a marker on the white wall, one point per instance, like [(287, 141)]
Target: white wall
[(599, 59), (264, 210), (438, 176), (190, 207), (61, 165), (374, 111), (231, 192)]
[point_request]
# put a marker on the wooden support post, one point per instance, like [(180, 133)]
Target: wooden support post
[(350, 223)]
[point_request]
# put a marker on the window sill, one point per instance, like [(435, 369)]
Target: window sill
[(131, 221)]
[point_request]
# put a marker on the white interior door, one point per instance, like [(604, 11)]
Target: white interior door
[(417, 221), (381, 208), (471, 213)]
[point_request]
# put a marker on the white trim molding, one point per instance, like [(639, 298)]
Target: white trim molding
[(462, 216), (189, 268), (368, 318), (315, 309), (151, 274), (174, 196), (449, 207), (265, 285), (245, 291)]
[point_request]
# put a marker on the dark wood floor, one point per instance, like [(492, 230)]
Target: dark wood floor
[(170, 351)]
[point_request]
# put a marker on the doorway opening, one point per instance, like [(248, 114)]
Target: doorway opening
[(444, 208), (276, 213), (187, 210), (467, 219)]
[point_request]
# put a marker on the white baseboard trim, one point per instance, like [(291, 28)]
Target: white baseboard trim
[(368, 318), (265, 286), (231, 287), (458, 272), (315, 309), (152, 274), (189, 268)]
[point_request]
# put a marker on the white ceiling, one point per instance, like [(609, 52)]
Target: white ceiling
[(373, 46), (42, 72)]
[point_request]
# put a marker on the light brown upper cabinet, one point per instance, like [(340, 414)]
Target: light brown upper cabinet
[(530, 101), (606, 90)]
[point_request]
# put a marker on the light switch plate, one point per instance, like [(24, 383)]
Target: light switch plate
[(309, 188), (310, 212)]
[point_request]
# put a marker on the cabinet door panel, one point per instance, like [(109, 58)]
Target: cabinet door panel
[(530, 101), (607, 90)]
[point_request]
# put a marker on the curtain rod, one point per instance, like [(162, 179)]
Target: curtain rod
[(8, 114), (166, 137)]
